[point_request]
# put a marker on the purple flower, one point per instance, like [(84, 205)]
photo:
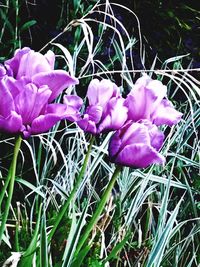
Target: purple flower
[(136, 145), (28, 85), (147, 100), (28, 66), (106, 110)]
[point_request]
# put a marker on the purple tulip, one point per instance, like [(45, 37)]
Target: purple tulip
[(28, 85), (106, 110), (136, 145), (147, 100), (28, 66)]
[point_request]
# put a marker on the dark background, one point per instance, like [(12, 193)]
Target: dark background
[(169, 28)]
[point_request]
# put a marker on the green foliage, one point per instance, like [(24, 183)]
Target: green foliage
[(13, 27)]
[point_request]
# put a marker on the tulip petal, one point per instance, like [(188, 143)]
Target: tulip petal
[(12, 64), (56, 80), (144, 98), (43, 123), (139, 156), (111, 120), (50, 57), (166, 114), (31, 101), (2, 71), (156, 136), (135, 133), (94, 113), (140, 103), (86, 125), (15, 86), (99, 92), (135, 145), (130, 133), (57, 108), (154, 86), (12, 124), (73, 101), (63, 111), (31, 64), (7, 102), (114, 145)]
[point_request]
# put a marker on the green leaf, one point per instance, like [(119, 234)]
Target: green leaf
[(7, 22), (157, 251), (73, 192), (73, 237), (80, 256), (27, 257), (117, 249), (43, 242), (76, 5), (30, 186), (27, 25)]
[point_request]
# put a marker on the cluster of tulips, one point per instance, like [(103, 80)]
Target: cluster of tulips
[(29, 85)]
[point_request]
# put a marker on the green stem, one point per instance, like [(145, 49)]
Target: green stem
[(99, 209), (73, 192), (11, 175), (3, 191)]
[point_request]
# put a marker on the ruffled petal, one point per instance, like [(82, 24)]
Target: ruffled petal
[(2, 71), (50, 57), (156, 136), (73, 101), (31, 101), (130, 133), (111, 120), (86, 125), (43, 123), (63, 111), (74, 104), (166, 114), (144, 98), (56, 80), (135, 145), (11, 124), (57, 108), (12, 64), (134, 133), (94, 113), (99, 92), (156, 87), (138, 156), (7, 102), (31, 64)]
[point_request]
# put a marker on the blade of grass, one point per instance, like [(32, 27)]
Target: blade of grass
[(27, 257), (99, 209), (73, 192)]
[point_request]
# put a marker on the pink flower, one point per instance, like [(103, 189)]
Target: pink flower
[(28, 66), (147, 100), (106, 110), (136, 145), (28, 85)]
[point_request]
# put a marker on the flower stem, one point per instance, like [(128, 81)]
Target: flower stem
[(73, 192), (11, 178), (99, 209), (3, 191)]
